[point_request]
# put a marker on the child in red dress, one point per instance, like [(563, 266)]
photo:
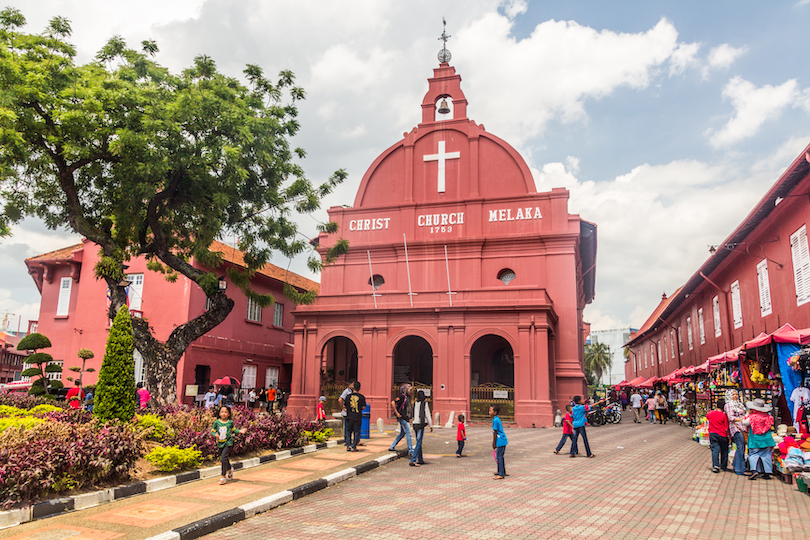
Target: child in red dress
[(461, 435)]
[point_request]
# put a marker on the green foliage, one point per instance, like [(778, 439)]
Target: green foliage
[(173, 458), (152, 426), (143, 161), (33, 342), (115, 391), (597, 360), (322, 435), (85, 354), (19, 421)]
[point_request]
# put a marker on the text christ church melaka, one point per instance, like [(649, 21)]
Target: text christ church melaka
[(460, 279)]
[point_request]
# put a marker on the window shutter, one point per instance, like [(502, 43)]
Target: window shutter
[(801, 265), (764, 289), (672, 343), (135, 291), (736, 305), (701, 327), (63, 304), (718, 330), (689, 333)]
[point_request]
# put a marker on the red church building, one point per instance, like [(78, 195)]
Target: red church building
[(252, 344), (460, 278), (757, 280)]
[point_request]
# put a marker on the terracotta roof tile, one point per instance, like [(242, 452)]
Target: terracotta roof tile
[(63, 253), (234, 256)]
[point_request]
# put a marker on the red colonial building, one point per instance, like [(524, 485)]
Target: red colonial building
[(755, 281), (252, 344), (460, 278)]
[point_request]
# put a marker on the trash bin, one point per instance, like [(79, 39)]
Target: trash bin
[(365, 425)]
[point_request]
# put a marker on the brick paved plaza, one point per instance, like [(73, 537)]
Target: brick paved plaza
[(646, 481)]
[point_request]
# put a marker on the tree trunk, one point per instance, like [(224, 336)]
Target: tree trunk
[(161, 375)]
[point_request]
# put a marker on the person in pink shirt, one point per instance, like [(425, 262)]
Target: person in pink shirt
[(718, 436), (143, 396), (650, 403)]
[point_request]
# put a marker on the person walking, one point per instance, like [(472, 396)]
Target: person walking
[(252, 397), (402, 408), (650, 405), (355, 403), (321, 413), (718, 436), (421, 420), (635, 403), (578, 414), (735, 411), (271, 401), (342, 402), (461, 435), (262, 398), (223, 431), (568, 430), (624, 399), (760, 440), (661, 408), (499, 441)]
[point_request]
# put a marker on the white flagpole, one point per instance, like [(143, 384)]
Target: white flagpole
[(411, 294), (374, 294), (450, 292)]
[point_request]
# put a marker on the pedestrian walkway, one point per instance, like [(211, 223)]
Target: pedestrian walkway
[(151, 514), (646, 481)]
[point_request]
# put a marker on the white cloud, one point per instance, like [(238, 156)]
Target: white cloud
[(724, 55), (683, 57), (513, 8), (752, 107)]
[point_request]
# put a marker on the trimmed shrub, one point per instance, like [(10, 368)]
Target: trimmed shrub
[(18, 421), (322, 435), (172, 458), (52, 457), (115, 391), (24, 401), (151, 426), (39, 386)]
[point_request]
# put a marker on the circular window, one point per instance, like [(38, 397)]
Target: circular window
[(378, 281), (506, 275)]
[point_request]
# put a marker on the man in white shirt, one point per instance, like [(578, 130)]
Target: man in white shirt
[(635, 402), (342, 402), (210, 398)]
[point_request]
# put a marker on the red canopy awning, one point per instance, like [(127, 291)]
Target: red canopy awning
[(728, 356), (623, 383), (649, 382), (670, 376), (785, 334), (634, 382), (688, 371)]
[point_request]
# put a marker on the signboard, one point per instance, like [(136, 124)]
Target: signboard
[(500, 394), (425, 390), (191, 389)]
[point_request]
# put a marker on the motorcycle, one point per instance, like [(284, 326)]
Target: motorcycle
[(613, 413)]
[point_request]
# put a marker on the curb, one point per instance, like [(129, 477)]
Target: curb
[(248, 510), (52, 507)]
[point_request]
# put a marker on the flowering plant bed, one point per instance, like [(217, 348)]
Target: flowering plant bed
[(49, 450)]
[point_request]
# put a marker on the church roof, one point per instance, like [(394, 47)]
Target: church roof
[(57, 255)]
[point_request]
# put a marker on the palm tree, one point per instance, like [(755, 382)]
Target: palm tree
[(597, 358)]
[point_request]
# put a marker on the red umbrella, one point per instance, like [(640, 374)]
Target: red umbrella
[(232, 381)]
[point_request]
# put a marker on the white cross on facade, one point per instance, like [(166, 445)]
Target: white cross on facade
[(441, 157)]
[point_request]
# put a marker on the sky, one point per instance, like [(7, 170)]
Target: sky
[(667, 121)]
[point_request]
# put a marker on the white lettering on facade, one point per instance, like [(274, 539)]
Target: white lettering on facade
[(369, 224), (505, 214), (440, 220)]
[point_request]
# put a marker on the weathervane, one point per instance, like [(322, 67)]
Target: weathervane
[(444, 54)]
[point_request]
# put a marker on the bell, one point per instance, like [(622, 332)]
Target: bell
[(443, 108)]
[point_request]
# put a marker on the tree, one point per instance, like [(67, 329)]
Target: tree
[(144, 162), (85, 355), (597, 359), (43, 363), (115, 390)]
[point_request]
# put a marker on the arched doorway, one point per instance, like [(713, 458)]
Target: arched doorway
[(492, 377), (413, 363), (338, 367)]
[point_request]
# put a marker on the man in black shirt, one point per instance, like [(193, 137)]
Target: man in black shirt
[(402, 407), (354, 403)]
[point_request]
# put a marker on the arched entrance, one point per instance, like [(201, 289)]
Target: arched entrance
[(413, 363), (492, 377), (338, 367)]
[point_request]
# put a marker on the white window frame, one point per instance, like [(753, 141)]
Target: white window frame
[(140, 366), (718, 331), (689, 333), (765, 304), (652, 354), (63, 305), (671, 343), (254, 311), (278, 314), (666, 352), (135, 292), (249, 376), (635, 370), (701, 327), (680, 342), (659, 351), (645, 358), (800, 254), (736, 305), (271, 377)]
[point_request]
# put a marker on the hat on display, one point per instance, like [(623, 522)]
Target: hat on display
[(781, 429), (758, 405)]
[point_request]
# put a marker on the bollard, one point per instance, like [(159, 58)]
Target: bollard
[(436, 420), (450, 418), (380, 425)]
